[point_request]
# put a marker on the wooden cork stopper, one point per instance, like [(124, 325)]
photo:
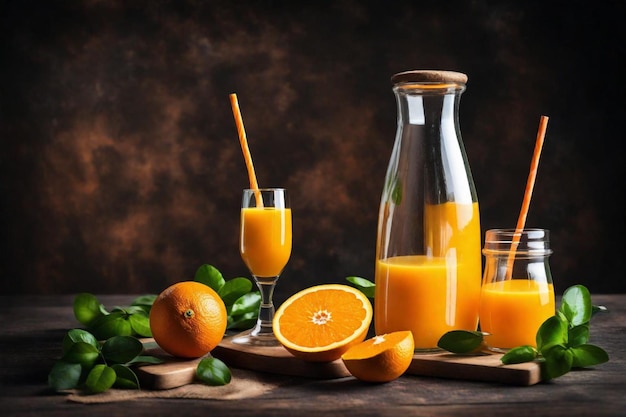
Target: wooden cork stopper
[(429, 76)]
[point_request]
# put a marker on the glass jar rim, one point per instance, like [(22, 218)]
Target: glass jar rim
[(528, 242)]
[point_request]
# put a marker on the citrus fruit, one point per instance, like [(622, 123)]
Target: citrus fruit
[(381, 358), (188, 319), (320, 323)]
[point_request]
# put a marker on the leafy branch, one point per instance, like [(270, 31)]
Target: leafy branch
[(562, 340), (133, 320), (98, 366)]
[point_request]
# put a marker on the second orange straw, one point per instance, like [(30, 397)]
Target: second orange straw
[(530, 184)]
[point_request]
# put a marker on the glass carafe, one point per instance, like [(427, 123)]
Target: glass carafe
[(428, 266)]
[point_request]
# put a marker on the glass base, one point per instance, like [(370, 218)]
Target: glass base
[(250, 338)]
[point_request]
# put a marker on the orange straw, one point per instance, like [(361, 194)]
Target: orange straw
[(241, 131), (530, 184)]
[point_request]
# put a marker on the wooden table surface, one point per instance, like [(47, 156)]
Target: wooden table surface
[(32, 327)]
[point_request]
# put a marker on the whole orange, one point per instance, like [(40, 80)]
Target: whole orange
[(188, 319)]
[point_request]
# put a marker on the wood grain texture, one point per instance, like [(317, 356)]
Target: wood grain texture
[(475, 368), (175, 372), (276, 360), (172, 373)]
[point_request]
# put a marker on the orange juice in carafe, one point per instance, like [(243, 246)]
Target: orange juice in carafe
[(432, 294), (428, 262)]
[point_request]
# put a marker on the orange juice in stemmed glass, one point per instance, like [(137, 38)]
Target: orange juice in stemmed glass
[(265, 247)]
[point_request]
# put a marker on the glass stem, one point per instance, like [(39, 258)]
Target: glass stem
[(266, 311)]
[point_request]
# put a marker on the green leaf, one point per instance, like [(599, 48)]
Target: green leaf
[(598, 309), (213, 371), (81, 353), (366, 286), (144, 300), (233, 289), (135, 310), (87, 308), (558, 361), (211, 276), (145, 359), (588, 355), (115, 324), (121, 349), (64, 375), (552, 332), (396, 192), (125, 377), (140, 324), (460, 341), (576, 305), (78, 335), (243, 321), (100, 378), (519, 354), (246, 303), (578, 335)]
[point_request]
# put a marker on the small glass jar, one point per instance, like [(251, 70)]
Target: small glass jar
[(517, 293)]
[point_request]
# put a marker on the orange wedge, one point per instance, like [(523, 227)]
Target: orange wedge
[(321, 323), (381, 358)]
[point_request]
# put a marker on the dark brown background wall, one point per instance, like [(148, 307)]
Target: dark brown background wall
[(121, 172)]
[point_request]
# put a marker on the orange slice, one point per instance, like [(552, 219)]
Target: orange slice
[(320, 323), (381, 358)]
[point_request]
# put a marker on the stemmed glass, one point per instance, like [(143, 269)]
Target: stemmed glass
[(265, 247)]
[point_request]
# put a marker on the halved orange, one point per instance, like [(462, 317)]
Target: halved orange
[(320, 323), (381, 358)]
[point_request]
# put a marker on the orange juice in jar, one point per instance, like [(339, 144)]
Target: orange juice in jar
[(517, 293)]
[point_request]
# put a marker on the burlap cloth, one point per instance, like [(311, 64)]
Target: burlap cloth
[(243, 384)]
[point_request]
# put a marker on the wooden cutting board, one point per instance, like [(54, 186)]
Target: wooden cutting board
[(172, 373), (485, 367), (175, 372)]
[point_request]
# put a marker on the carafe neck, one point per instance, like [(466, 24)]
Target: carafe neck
[(428, 104)]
